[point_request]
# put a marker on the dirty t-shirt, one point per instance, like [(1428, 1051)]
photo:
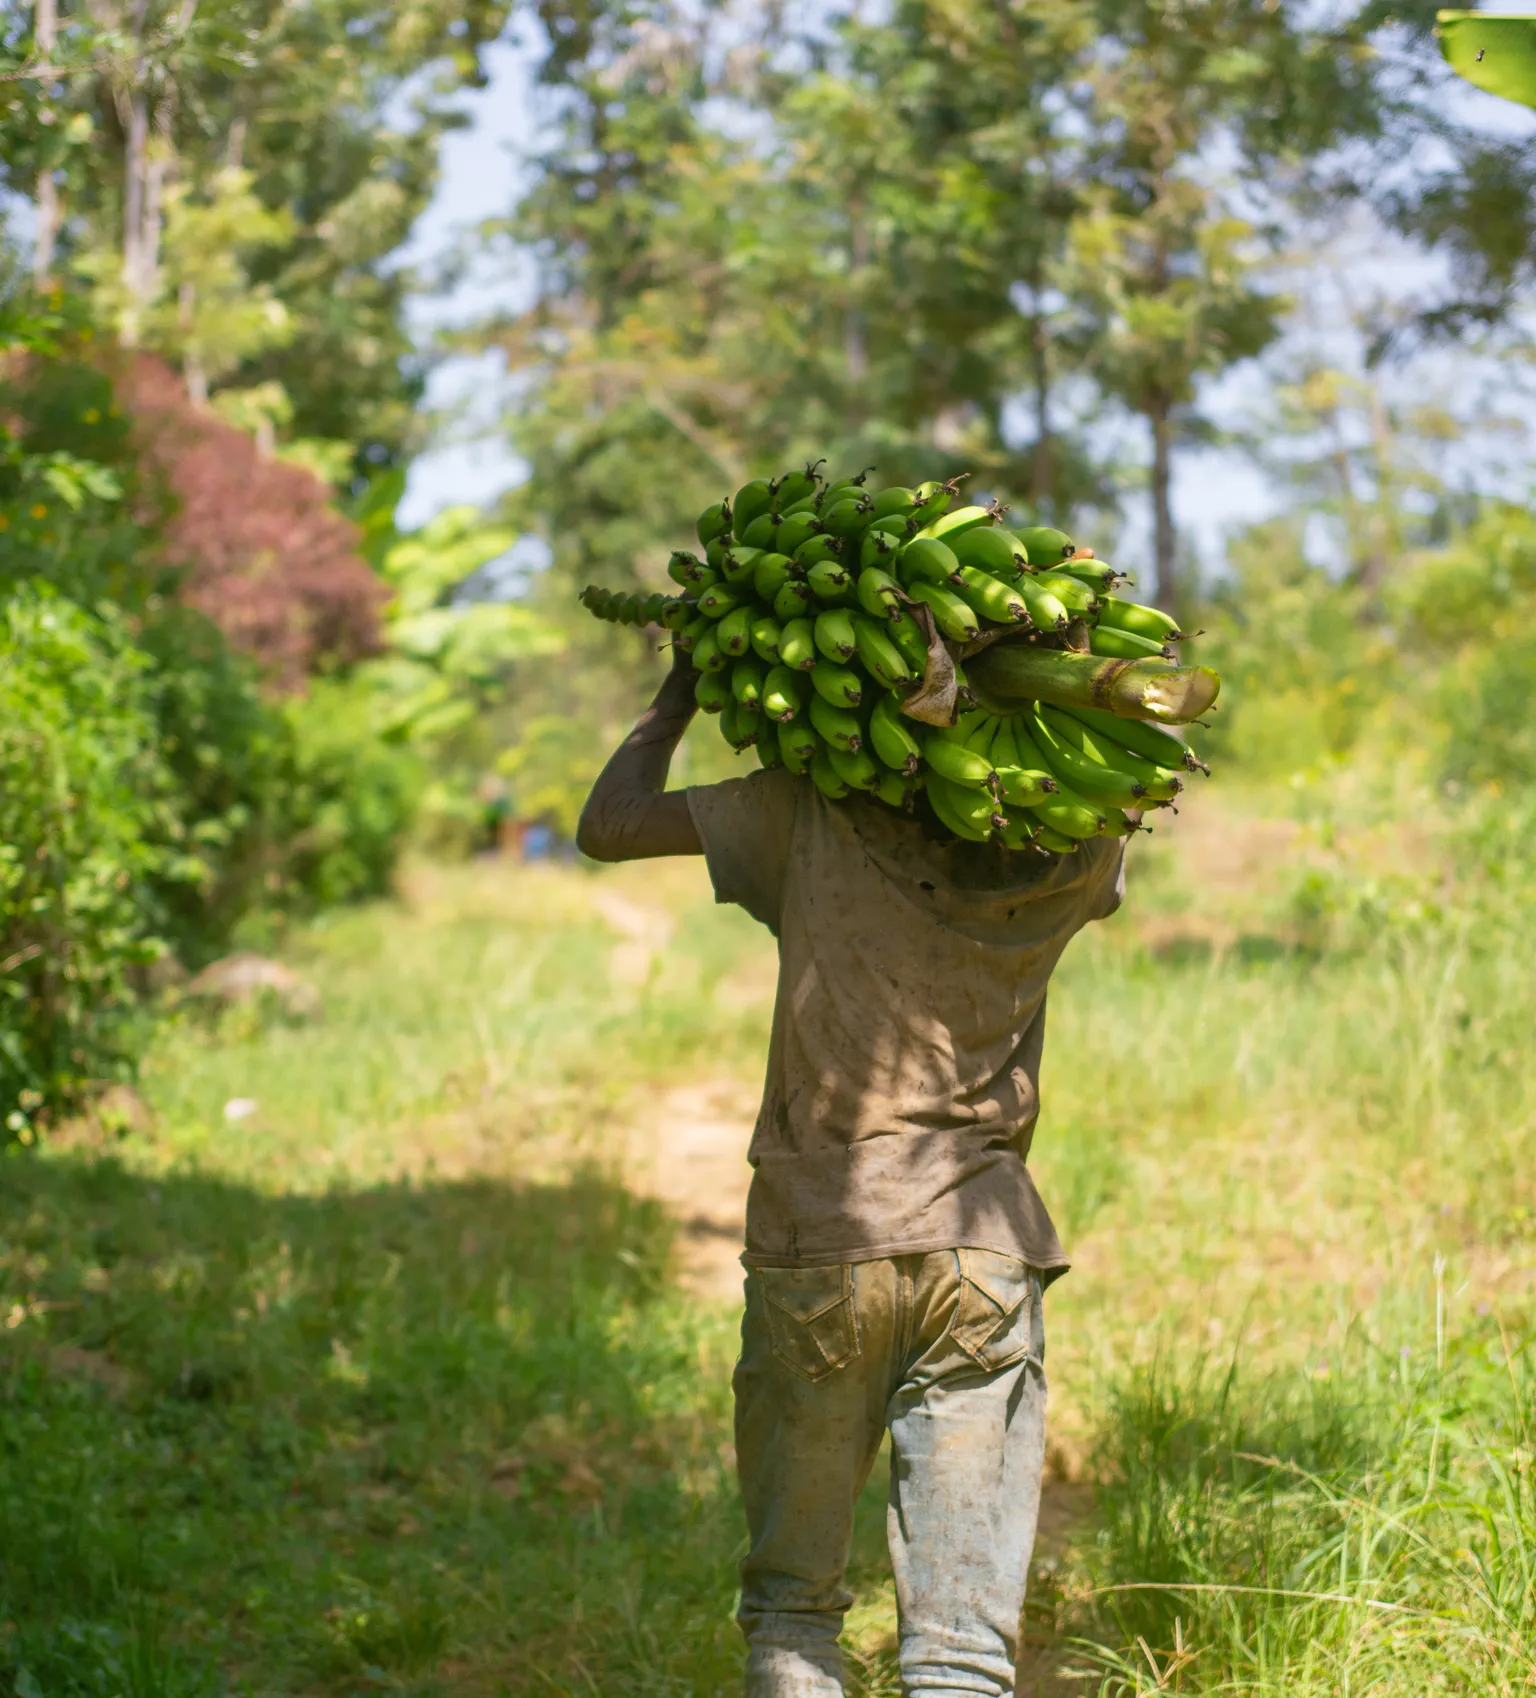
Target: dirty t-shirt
[(901, 1093)]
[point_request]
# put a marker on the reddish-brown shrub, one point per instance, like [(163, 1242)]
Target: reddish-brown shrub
[(264, 554)]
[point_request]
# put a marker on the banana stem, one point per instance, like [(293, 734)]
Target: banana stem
[(1133, 689)]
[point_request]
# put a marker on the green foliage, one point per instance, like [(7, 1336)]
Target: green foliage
[(86, 828), (153, 798), (346, 797)]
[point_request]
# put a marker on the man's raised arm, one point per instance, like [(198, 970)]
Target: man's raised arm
[(631, 815)]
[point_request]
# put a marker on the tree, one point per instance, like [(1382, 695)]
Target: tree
[(234, 179)]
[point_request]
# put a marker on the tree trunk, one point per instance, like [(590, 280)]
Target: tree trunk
[(49, 215), (1164, 541), (1380, 540), (1043, 469), (135, 178), (855, 346)]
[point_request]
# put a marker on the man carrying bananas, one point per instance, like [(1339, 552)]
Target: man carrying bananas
[(897, 1249)]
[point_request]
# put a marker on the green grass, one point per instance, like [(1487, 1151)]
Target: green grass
[(389, 1385)]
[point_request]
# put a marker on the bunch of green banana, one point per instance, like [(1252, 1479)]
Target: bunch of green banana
[(809, 617)]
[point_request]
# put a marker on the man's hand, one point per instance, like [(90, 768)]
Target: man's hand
[(631, 815)]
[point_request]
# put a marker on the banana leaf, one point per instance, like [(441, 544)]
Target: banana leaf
[(1495, 52)]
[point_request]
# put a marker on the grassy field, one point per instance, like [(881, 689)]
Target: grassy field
[(390, 1383)]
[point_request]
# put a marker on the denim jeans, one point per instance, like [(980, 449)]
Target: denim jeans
[(946, 1351)]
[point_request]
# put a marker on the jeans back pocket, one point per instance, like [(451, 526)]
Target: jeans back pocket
[(998, 1317), (811, 1319)]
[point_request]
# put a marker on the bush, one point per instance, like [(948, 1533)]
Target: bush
[(88, 834)]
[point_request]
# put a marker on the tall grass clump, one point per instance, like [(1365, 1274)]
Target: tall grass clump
[(1367, 1526)]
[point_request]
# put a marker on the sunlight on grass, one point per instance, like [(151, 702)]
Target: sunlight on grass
[(390, 1381)]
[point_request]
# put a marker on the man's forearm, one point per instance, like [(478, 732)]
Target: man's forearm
[(630, 814)]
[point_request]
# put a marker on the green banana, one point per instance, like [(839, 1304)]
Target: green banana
[(798, 486), (1158, 783), (734, 632), (828, 580), (841, 488), (1018, 831), (794, 530), (1022, 777), (1043, 545), (933, 500), (718, 600), (983, 731), (817, 549), (688, 570), (738, 564), (947, 754), (1045, 838), (895, 791), (878, 593), (797, 645), (1149, 622), (1119, 645), (1072, 593), (747, 677), (856, 770), (925, 560), (739, 725), (835, 636), (1117, 824), (692, 631), (797, 744), (892, 502), (891, 737), (1151, 742), (990, 598), (1099, 575), (784, 693), (714, 521), (766, 631), (839, 686), (824, 776), (954, 616), (751, 500), (880, 547), (952, 524), (835, 725), (1075, 770), (712, 691), (1046, 610), (677, 614), (1071, 815), (846, 518), (990, 548), (907, 634), (879, 655), (769, 754), (707, 654), (968, 812), (760, 533), (770, 572), (791, 599)]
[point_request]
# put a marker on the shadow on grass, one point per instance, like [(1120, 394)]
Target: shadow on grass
[(426, 1435)]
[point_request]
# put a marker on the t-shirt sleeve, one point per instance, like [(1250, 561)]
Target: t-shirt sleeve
[(745, 825), (1106, 890)]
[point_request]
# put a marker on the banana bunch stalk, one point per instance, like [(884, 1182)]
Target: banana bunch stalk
[(820, 617)]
